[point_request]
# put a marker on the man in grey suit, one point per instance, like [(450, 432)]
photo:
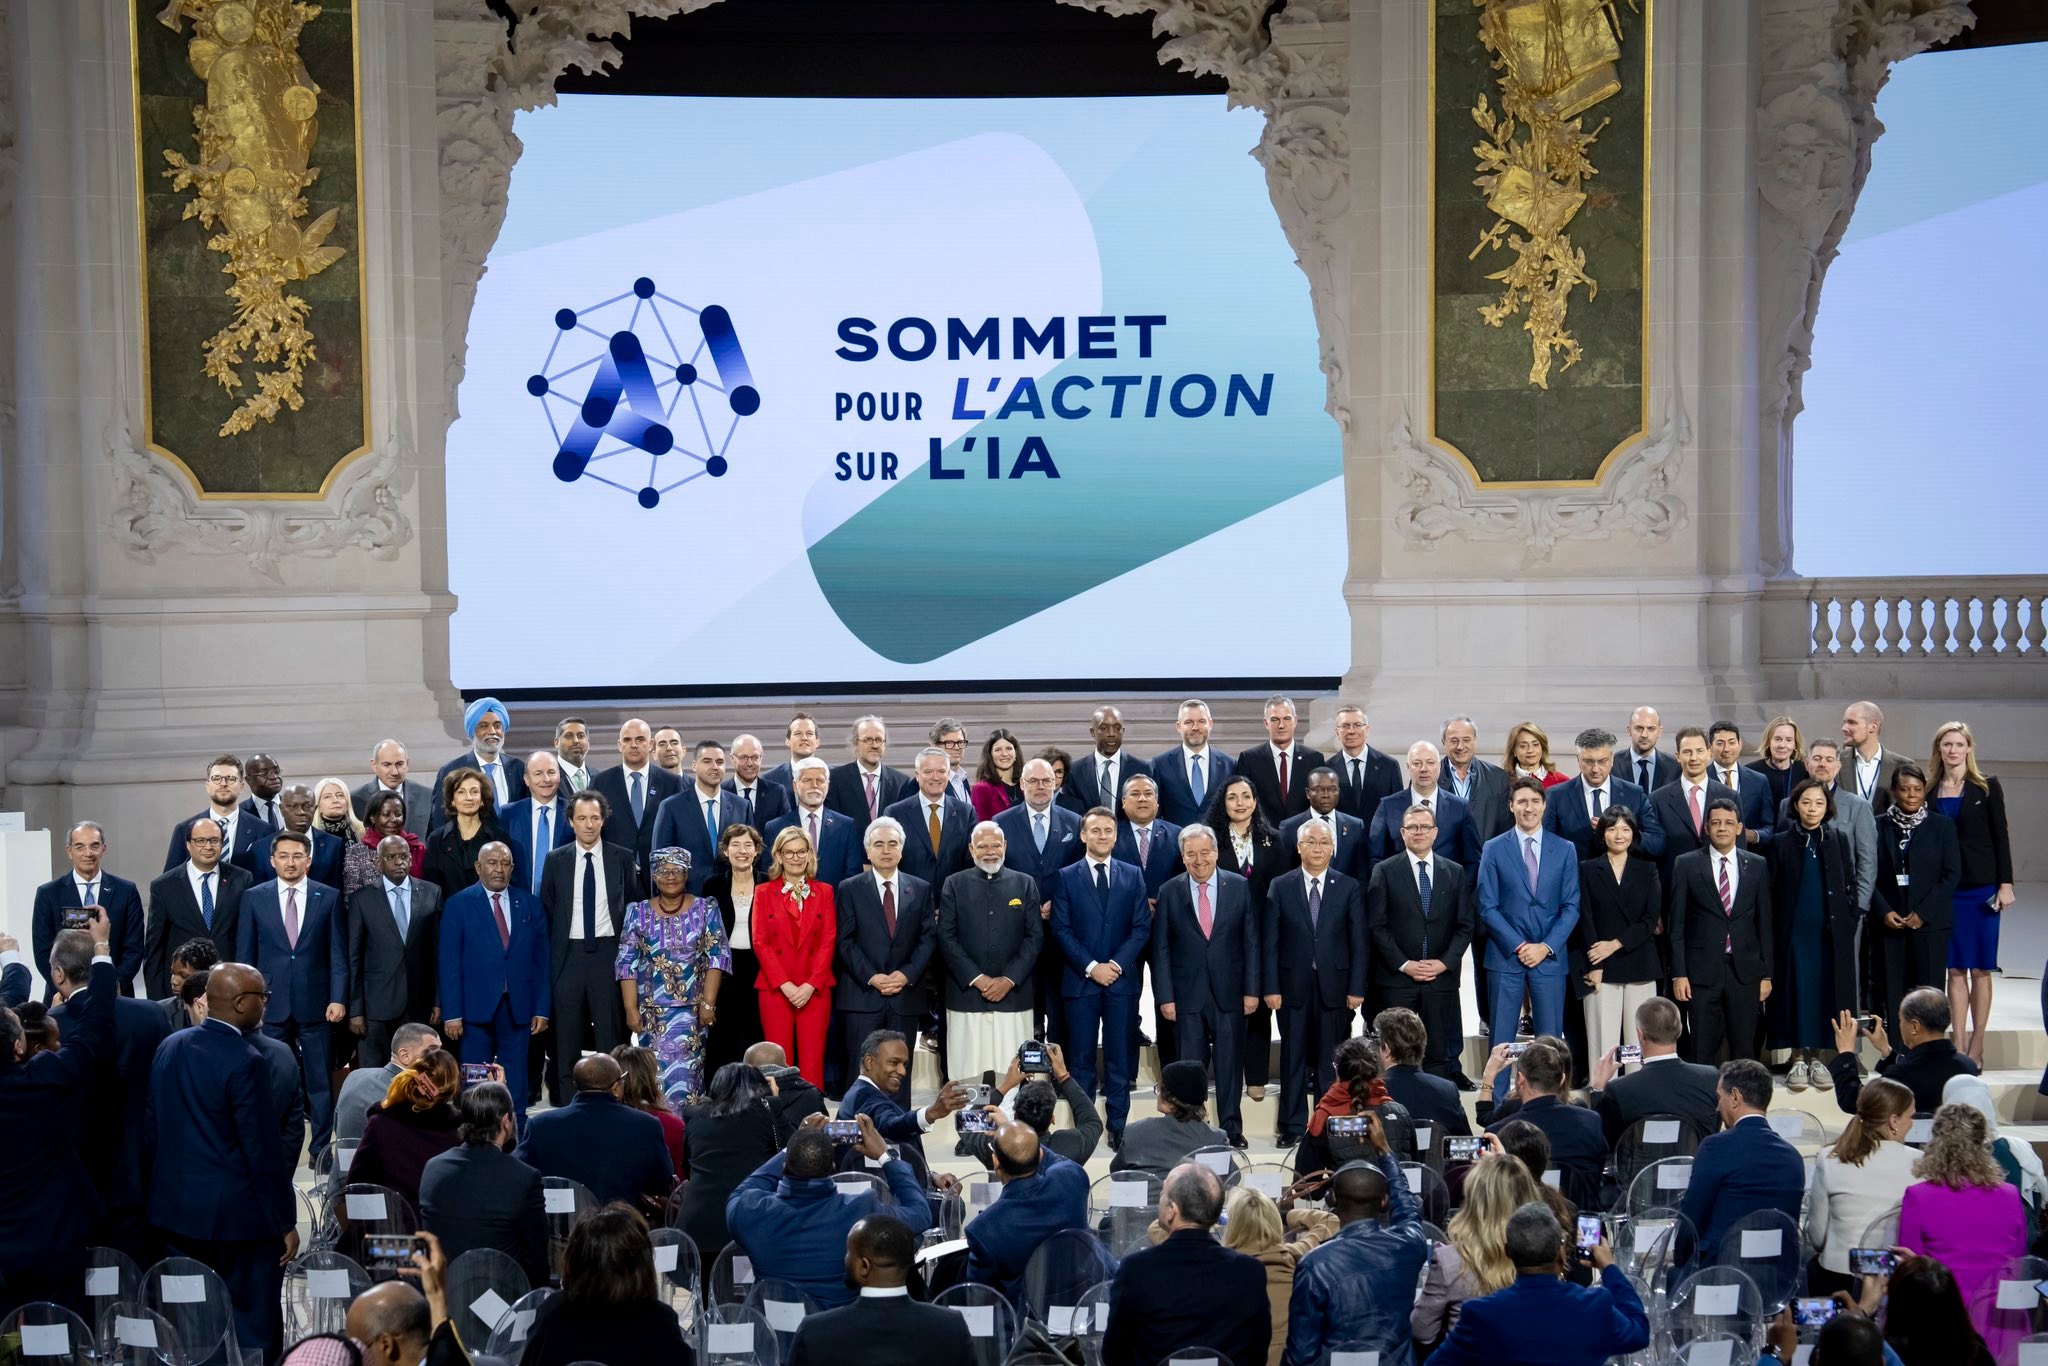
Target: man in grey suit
[(989, 933), (1853, 817), (1483, 787), (391, 765), (394, 933)]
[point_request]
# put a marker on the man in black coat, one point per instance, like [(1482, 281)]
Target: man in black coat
[(1365, 776), (865, 788), (990, 931), (394, 939), (887, 934), (1190, 1290), (1721, 943), (585, 886), (1316, 951), (884, 1326), (597, 1140), (1578, 1147), (479, 1195), (87, 883), (1432, 1102), (1925, 1064), (1422, 915), (1665, 1084), (201, 898), (1278, 770), (1205, 968)]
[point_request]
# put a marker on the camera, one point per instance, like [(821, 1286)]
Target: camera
[(843, 1131), (1866, 1024), (391, 1251), (781, 1076), (1031, 1057), (79, 917), (1812, 1313), (1458, 1148), (1872, 1261)]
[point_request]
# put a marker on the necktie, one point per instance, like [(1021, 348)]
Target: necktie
[(206, 899), (1038, 829), (1144, 833), (1198, 780), (935, 827), (868, 782), (590, 895), (270, 814), (812, 821), (711, 820), (498, 914), (541, 844), (748, 793), (1315, 902), (1108, 784), (399, 913), (291, 916), (639, 798), (1529, 859), (1283, 776), (1644, 768), (1205, 914), (1422, 885), (491, 779), (1102, 881), (889, 906), (1597, 802), (1357, 774), (92, 893), (1727, 904), (1698, 799)]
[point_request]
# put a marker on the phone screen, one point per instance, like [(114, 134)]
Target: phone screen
[(75, 919), (1351, 1126), (1516, 1050), (388, 1252), (1811, 1313), (1631, 1053), (977, 1121), (1871, 1261), (1457, 1149), (1589, 1233), (1866, 1024), (843, 1130), (475, 1073)]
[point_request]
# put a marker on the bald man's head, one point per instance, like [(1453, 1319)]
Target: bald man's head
[(392, 1322), (598, 1072), (234, 993), (1017, 1151), (765, 1055), (1358, 1192)]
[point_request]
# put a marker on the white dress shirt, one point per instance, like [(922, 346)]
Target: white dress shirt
[(1415, 867), (495, 776), (1188, 759), (1107, 876), (1106, 764), (1425, 800), (605, 928), (1866, 786), (1734, 866), (1606, 800), (192, 875)]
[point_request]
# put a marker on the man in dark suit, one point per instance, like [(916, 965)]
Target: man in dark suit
[(989, 934), (239, 829), (1422, 916), (1316, 953), (391, 768), (1588, 1325), (1456, 837), (294, 933), (832, 835), (800, 737), (495, 970), (599, 1141), (1483, 787), (1365, 776), (1102, 921), (1431, 1101), (1278, 770), (1753, 790), (111, 1137), (1867, 766), (887, 935), (479, 1195), (1046, 1193), (1143, 839), (1189, 1291), (865, 788), (936, 824), (572, 748), (220, 1187), (1043, 838), (1350, 832), (884, 1326), (1205, 968), (584, 890), (633, 790), (296, 804), (1578, 1146), (1681, 806), (1665, 1084), (1571, 807), (1098, 777), (693, 817), (265, 780), (769, 800), (1645, 765), (394, 940), (1746, 1168), (63, 899), (1190, 774), (947, 736), (46, 1190), (1721, 943), (485, 722), (201, 898), (537, 824)]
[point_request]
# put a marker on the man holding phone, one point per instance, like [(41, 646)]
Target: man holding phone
[(1588, 1323)]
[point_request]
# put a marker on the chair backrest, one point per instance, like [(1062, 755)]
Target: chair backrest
[(1090, 1320), (863, 1182), (784, 1307), (949, 1218), (1922, 1129), (1427, 1185), (564, 1201), (1801, 1128), (1063, 1269), (735, 1335), (1883, 1231), (1659, 1184), (132, 1334), (48, 1335), (110, 1275), (992, 1322), (195, 1301), (1767, 1246), (678, 1274), (732, 1275), (1716, 1299), (360, 1212), (317, 1290), (2009, 1307), (1269, 1179), (508, 1339), (1716, 1347), (1653, 1138), (1221, 1159), (1649, 1244), (481, 1286), (980, 1192), (1121, 1208)]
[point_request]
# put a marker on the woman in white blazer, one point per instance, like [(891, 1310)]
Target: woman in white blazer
[(1861, 1179)]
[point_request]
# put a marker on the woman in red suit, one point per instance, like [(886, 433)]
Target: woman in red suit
[(795, 934)]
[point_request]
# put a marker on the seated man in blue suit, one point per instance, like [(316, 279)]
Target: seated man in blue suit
[(834, 836), (538, 823), (1746, 1167), (295, 804), (598, 1141), (1543, 1319), (880, 1090), (1042, 839), (496, 970), (88, 884), (1528, 904), (1457, 836), (1578, 1141), (931, 857), (1570, 808), (294, 933), (1103, 922), (692, 818), (1043, 1194), (1351, 833)]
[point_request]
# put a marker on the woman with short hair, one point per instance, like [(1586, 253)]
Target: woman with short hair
[(795, 938)]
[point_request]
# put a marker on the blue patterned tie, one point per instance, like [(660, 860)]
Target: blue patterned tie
[(1198, 781), (206, 899), (1422, 886), (399, 913), (639, 800)]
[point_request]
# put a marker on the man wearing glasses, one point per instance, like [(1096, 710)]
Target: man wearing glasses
[(238, 827), (201, 898), (947, 735)]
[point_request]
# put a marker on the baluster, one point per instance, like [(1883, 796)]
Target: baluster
[(2003, 620), (1894, 626), (1950, 618), (1817, 630), (1976, 618), (1856, 616)]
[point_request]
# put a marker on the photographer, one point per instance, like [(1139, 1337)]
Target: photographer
[(1590, 1324), (1031, 1100), (792, 1099)]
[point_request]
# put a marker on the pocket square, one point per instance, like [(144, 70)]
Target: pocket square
[(1016, 901)]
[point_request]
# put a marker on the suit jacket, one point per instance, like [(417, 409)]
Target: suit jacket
[(1982, 835), (848, 795), (1672, 1086), (515, 783), (1578, 1145), (1581, 1325), (248, 830), (44, 1103), (1565, 813), (174, 919), (476, 969), (1485, 796), (892, 1331), (1188, 1291), (125, 929), (1663, 768), (211, 1132), (517, 821), (559, 875), (680, 824), (480, 1196), (1176, 799), (1054, 1200), (1383, 776), (839, 850), (1400, 931), (1352, 840), (1627, 910), (1162, 855), (866, 948), (1759, 808), (1699, 927), (603, 1144), (287, 1085), (304, 978), (1092, 926), (770, 800), (956, 824), (989, 926), (1317, 964), (325, 868), (794, 946), (392, 977), (1880, 795), (1745, 1169), (1083, 788), (1512, 914), (1257, 765), (1859, 827), (1933, 868), (782, 777), (117, 1099), (1429, 1100), (1191, 972), (1674, 819), (419, 803), (1457, 838), (619, 827), (1062, 844)]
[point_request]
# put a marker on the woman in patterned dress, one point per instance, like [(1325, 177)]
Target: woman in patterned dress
[(672, 958)]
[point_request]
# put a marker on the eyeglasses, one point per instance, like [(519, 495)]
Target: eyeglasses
[(210, 842), (240, 994)]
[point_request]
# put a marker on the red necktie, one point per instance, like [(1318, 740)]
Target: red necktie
[(1205, 915), (498, 912), (889, 907), (1283, 775), (1697, 797)]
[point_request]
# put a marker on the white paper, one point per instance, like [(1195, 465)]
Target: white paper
[(1424, 1133), (981, 1319), (1354, 1359), (1066, 1319), (364, 1205), (344, 1157), (1674, 1178), (1715, 1301), (522, 1323), (1710, 1353), (1921, 1132), (134, 1332), (875, 1163), (1414, 1180), (1787, 1126), (554, 1199), (1218, 1163), (1660, 1131), (1763, 1242), (1648, 1231), (731, 1339), (2017, 1295), (45, 1339), (742, 1271), (182, 1289), (1554, 1179), (932, 1252), (667, 1256), (327, 1284), (1802, 1354), (1196, 1361), (983, 1192), (102, 1281), (1272, 1185), (2033, 1354), (1130, 1194), (490, 1308), (784, 1316)]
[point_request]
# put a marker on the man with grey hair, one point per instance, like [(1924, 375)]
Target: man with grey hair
[(1583, 1325), (935, 823), (537, 824), (884, 915), (948, 736), (833, 836), (865, 788), (1456, 837), (1191, 772), (1042, 838), (1205, 968), (1278, 770), (1188, 1291), (390, 768), (990, 932), (1573, 808)]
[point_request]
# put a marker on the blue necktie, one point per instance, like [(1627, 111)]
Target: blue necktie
[(206, 899), (1198, 781), (1422, 886), (398, 911), (590, 896), (1038, 829), (711, 821), (639, 800), (544, 842), (491, 782)]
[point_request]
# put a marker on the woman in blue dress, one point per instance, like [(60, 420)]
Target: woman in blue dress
[(1977, 806), (672, 958)]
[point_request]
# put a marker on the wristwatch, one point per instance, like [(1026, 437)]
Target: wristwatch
[(1770, 1352)]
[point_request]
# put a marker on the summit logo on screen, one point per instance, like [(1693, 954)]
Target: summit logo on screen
[(644, 398)]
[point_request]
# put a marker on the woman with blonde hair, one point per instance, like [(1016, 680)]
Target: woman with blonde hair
[(1255, 1226), (1963, 1213), (1475, 1261), (795, 935), (334, 812), (1777, 758), (1859, 1180), (1977, 806), (414, 1123), (1528, 755)]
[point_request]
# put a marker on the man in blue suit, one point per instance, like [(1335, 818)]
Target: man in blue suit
[(294, 933), (1098, 778), (833, 836), (1042, 839), (769, 800), (1103, 922), (1205, 968), (87, 884), (1542, 1318), (485, 722), (1045, 1194), (1570, 808), (1528, 903), (1746, 1167), (692, 818), (220, 1183), (599, 1141), (538, 823), (1350, 831), (933, 805), (224, 806), (634, 789), (295, 805), (1142, 839), (1190, 774), (496, 977), (1753, 790), (1457, 836), (1315, 953)]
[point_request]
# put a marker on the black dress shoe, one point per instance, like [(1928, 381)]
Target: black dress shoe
[(1239, 1141), (1465, 1083), (1116, 1140), (1287, 1140)]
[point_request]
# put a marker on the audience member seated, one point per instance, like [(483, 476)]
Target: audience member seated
[(1043, 1193), (1358, 1090), (2018, 1160), (1159, 1143), (1862, 1177), (1429, 1099), (792, 1099), (1749, 1167), (1962, 1213), (479, 1195), (396, 1325), (609, 1311), (884, 1065), (1035, 1103), (1256, 1227), (414, 1123), (1475, 1262), (1355, 1290), (1540, 1320), (1523, 1141), (640, 1088), (1665, 1084), (614, 1152), (792, 1220), (366, 1085), (1189, 1290), (1924, 1067), (725, 1137), (1578, 1146), (1844, 1340), (884, 1326), (1926, 1320)]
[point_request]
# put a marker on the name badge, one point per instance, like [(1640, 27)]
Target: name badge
[(1905, 879)]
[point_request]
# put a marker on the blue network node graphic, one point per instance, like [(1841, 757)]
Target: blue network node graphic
[(644, 396)]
